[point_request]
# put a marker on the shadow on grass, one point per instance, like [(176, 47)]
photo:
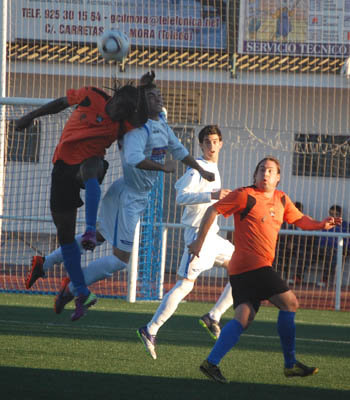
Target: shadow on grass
[(40, 384), (180, 329)]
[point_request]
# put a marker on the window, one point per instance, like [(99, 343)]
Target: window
[(321, 155), (23, 145)]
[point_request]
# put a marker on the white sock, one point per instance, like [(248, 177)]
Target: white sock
[(169, 304), (56, 256), (101, 268), (225, 302)]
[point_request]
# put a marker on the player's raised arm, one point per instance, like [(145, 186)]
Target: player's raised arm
[(150, 165), (53, 107), (191, 162), (310, 224)]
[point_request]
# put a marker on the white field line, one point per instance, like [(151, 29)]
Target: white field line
[(114, 328)]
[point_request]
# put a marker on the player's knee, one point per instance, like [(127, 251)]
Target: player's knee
[(65, 224), (90, 168), (113, 264), (121, 254), (291, 304), (185, 286), (99, 237)]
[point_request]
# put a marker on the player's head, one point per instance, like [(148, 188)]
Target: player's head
[(209, 130), (150, 95), (267, 174), (125, 104), (210, 142), (335, 211)]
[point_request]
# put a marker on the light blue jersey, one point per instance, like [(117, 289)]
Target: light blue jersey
[(127, 198), (152, 141)]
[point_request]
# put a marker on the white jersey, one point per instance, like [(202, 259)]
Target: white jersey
[(195, 193), (152, 141)]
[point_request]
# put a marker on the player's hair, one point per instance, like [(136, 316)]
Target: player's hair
[(128, 92), (132, 105), (209, 130), (146, 83), (299, 206), (268, 158), (130, 97)]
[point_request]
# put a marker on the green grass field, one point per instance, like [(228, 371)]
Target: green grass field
[(46, 356)]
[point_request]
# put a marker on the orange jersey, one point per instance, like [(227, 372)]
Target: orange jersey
[(89, 131), (257, 223)]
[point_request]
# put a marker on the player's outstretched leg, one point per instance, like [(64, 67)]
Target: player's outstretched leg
[(210, 321), (36, 271), (149, 341), (210, 325)]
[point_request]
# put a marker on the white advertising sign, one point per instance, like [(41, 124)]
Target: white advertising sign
[(167, 23)]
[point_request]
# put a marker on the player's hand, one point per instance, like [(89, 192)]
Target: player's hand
[(220, 194), (23, 123), (169, 166), (209, 176), (147, 78), (331, 222), (194, 249)]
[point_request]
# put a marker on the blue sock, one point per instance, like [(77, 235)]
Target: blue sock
[(229, 336), (286, 330), (92, 198), (71, 258)]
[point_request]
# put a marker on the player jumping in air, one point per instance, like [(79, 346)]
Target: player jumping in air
[(142, 152), (97, 121)]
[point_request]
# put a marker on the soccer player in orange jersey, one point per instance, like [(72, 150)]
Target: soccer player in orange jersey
[(97, 121), (259, 211)]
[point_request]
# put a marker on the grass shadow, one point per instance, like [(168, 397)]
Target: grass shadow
[(43, 384)]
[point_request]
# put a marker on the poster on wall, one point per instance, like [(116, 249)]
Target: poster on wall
[(318, 28), (163, 23)]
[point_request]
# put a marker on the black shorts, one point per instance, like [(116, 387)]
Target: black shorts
[(255, 286), (65, 187)]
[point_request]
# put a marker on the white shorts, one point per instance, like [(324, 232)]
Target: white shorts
[(119, 213), (215, 250)]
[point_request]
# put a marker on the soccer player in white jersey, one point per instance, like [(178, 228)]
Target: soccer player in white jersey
[(197, 194), (142, 153)]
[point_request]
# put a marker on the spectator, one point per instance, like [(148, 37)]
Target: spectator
[(291, 252), (329, 246)]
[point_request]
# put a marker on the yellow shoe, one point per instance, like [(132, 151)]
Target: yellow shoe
[(301, 370)]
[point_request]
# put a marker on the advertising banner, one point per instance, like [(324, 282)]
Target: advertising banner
[(163, 23), (318, 28)]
